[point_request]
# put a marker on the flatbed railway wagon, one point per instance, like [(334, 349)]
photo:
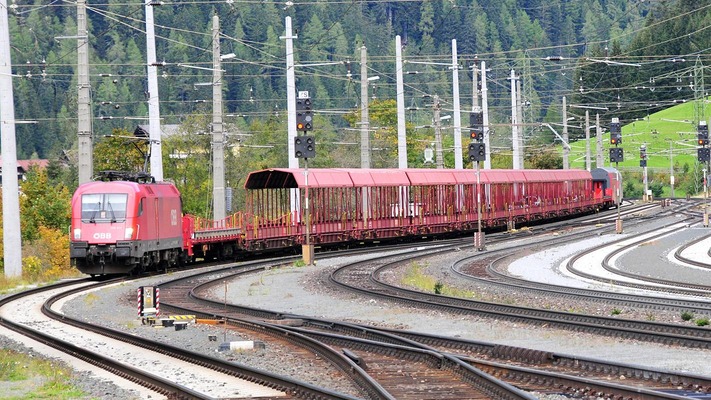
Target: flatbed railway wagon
[(373, 204)]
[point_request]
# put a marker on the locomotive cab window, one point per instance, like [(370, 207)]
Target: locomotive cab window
[(103, 207)]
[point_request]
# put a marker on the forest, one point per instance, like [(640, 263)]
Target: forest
[(621, 58)]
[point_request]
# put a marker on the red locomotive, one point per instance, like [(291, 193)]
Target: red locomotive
[(125, 223)]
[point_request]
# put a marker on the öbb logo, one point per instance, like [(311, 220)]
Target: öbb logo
[(102, 235)]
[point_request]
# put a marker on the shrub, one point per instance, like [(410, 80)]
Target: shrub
[(702, 321), (47, 258), (32, 267), (687, 316)]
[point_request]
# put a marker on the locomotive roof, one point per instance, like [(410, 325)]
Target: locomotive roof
[(349, 177)]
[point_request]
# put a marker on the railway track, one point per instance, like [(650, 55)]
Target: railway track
[(491, 270), (483, 379), (365, 278), (136, 375), (154, 377), (552, 373), (550, 381), (391, 370), (393, 360)]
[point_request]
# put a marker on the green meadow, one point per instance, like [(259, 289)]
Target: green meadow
[(670, 137)]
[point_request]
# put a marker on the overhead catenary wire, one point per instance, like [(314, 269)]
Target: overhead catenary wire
[(327, 74)]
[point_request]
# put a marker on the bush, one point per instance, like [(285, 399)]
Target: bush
[(702, 321), (687, 316), (32, 267), (47, 258)]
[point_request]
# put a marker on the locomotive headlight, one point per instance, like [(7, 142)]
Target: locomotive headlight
[(77, 234), (128, 234)]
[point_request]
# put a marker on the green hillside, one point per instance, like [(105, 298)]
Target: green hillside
[(667, 133)]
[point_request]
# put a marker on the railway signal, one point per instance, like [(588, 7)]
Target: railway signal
[(477, 152), (305, 146), (615, 132), (476, 126), (617, 155), (703, 134), (703, 154), (643, 156), (304, 114)]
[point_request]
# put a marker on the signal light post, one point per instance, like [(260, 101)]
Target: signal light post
[(617, 155), (704, 157), (477, 153), (643, 164), (305, 147)]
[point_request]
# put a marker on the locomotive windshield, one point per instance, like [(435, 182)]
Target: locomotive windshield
[(103, 207)]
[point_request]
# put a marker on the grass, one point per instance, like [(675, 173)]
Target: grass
[(687, 316), (26, 377), (91, 298), (669, 129), (10, 285), (414, 277)]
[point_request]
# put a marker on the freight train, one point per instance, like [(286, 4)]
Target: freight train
[(127, 223)]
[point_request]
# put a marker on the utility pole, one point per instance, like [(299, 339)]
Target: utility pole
[(514, 122), (291, 107), (364, 117), (671, 168), (699, 92), (290, 95), (519, 118), (566, 149), (401, 139), (588, 165), (218, 138), (439, 155), (475, 87), (526, 95), (458, 163), (485, 115), (85, 139), (12, 241), (598, 146), (156, 155)]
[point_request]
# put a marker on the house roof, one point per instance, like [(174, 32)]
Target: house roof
[(26, 164)]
